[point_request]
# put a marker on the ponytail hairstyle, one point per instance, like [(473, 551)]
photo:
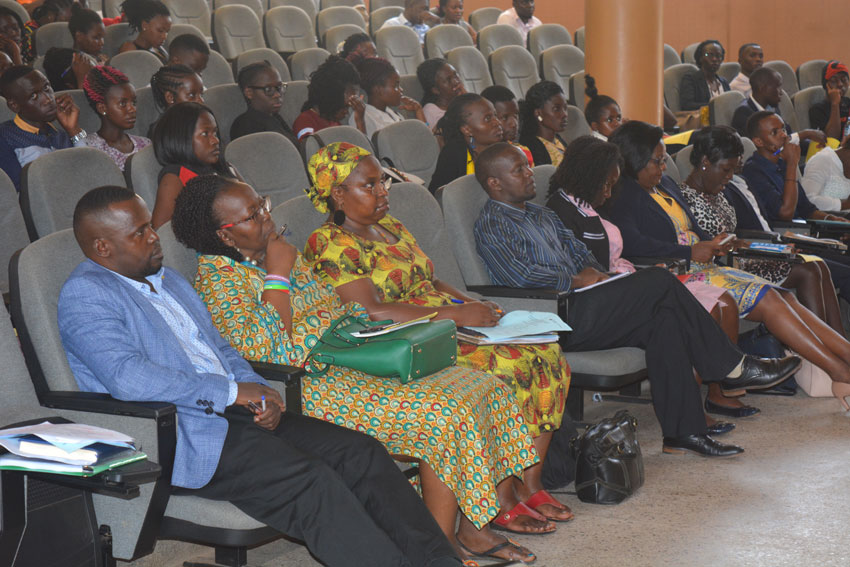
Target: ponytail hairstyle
[(99, 80), (138, 11), (597, 102)]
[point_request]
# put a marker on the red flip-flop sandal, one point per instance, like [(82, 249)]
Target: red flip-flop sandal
[(543, 497), (502, 520)]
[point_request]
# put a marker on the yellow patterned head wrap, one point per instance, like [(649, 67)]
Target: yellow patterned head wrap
[(329, 167)]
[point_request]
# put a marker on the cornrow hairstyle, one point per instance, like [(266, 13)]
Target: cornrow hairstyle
[(187, 43), (98, 200), (57, 62), (138, 11), (11, 75), (168, 79), (593, 108), (54, 7), (498, 93), (535, 98), (456, 115), (586, 165), (172, 137), (715, 143), (4, 11), (82, 19), (352, 42), (326, 90), (99, 80), (374, 72), (427, 75), (636, 140), (194, 222), (702, 46)]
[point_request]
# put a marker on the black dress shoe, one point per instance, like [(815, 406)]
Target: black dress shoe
[(762, 373), (717, 409), (702, 445), (786, 388), (720, 428)]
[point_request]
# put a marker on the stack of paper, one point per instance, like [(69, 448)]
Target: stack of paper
[(517, 327)]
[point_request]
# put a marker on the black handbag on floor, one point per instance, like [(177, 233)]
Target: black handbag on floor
[(609, 464)]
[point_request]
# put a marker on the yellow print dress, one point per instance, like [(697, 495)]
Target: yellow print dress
[(402, 273), (463, 423)]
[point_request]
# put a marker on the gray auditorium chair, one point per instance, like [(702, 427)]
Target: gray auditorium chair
[(293, 100), (576, 124), (54, 34), (111, 8), (270, 164), (670, 56), (19, 402), (322, 138), (410, 146), (260, 54), (673, 169), (575, 94), (472, 68), (729, 70), (514, 67), (5, 112), (183, 29), (226, 102), (375, 5), (580, 38), (308, 6), (289, 29), (495, 36), (803, 100), (722, 107), (194, 12), (336, 35), (333, 3), (683, 161), (146, 112), (141, 173), (380, 15), (688, 53), (672, 80), (13, 230), (542, 175), (400, 46), (789, 77), (809, 73), (483, 17), (89, 119), (139, 66), (304, 62), (443, 38), (116, 35), (786, 109), (175, 255), (236, 28), (560, 62), (411, 87), (545, 36), (256, 5), (749, 149), (52, 184), (218, 71), (300, 217), (338, 15)]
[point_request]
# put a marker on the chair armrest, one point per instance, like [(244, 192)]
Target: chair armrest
[(747, 234), (798, 225), (290, 376), (104, 403), (524, 293), (677, 265)]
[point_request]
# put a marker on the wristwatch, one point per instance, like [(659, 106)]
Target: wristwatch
[(79, 137)]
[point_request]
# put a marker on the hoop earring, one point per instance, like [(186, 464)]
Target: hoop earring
[(339, 217)]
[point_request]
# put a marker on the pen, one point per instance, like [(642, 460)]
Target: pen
[(263, 398), (777, 152), (456, 300)]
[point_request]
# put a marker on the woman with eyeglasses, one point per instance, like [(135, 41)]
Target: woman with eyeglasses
[(701, 85), (263, 90), (463, 427)]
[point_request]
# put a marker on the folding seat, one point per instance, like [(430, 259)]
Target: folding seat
[(670, 56), (472, 68), (495, 36), (289, 29), (672, 169), (218, 71), (576, 124), (335, 36), (338, 15), (545, 36), (483, 17), (334, 3), (580, 38), (13, 232), (54, 34), (255, 5), (183, 29), (804, 100), (786, 109), (380, 15), (322, 138), (514, 67), (116, 35), (729, 70), (809, 73), (146, 111), (443, 38), (672, 80), (194, 12), (5, 112), (375, 5), (293, 100), (226, 102), (141, 173), (263, 54), (89, 119), (688, 53), (236, 28), (560, 62), (412, 87), (308, 6), (304, 62), (111, 8), (542, 175), (410, 146), (400, 46), (722, 107), (683, 161), (789, 77), (139, 66), (270, 164), (575, 94)]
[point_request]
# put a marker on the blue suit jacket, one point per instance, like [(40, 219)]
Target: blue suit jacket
[(118, 343)]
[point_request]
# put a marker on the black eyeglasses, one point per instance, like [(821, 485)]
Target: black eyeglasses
[(265, 207), (270, 90)]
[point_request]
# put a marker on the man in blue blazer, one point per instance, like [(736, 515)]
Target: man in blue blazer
[(138, 331)]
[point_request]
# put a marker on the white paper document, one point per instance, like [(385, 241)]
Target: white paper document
[(521, 323)]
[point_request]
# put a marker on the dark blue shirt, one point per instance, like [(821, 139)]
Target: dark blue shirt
[(767, 180)]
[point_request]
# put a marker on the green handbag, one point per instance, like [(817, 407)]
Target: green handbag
[(408, 353)]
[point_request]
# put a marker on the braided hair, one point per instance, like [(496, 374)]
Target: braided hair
[(326, 90), (427, 75), (455, 117), (535, 99), (168, 79), (99, 80), (194, 222), (138, 11)]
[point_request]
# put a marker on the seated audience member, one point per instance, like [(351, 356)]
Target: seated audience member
[(441, 84), (415, 16), (172, 84), (370, 258), (11, 27), (655, 220), (137, 331), (47, 12), (507, 111), (263, 91), (31, 133), (111, 95), (88, 31), (827, 178), (65, 68), (380, 81), (750, 58), (187, 144), (526, 245), (703, 84), (766, 86), (543, 116), (333, 92), (151, 19), (602, 112), (189, 50), (771, 172), (451, 12), (520, 16), (280, 324), (358, 45), (830, 115), (469, 127)]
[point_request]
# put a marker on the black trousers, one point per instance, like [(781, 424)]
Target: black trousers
[(333, 488), (651, 309)]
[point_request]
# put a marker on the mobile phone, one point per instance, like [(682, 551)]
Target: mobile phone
[(729, 238)]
